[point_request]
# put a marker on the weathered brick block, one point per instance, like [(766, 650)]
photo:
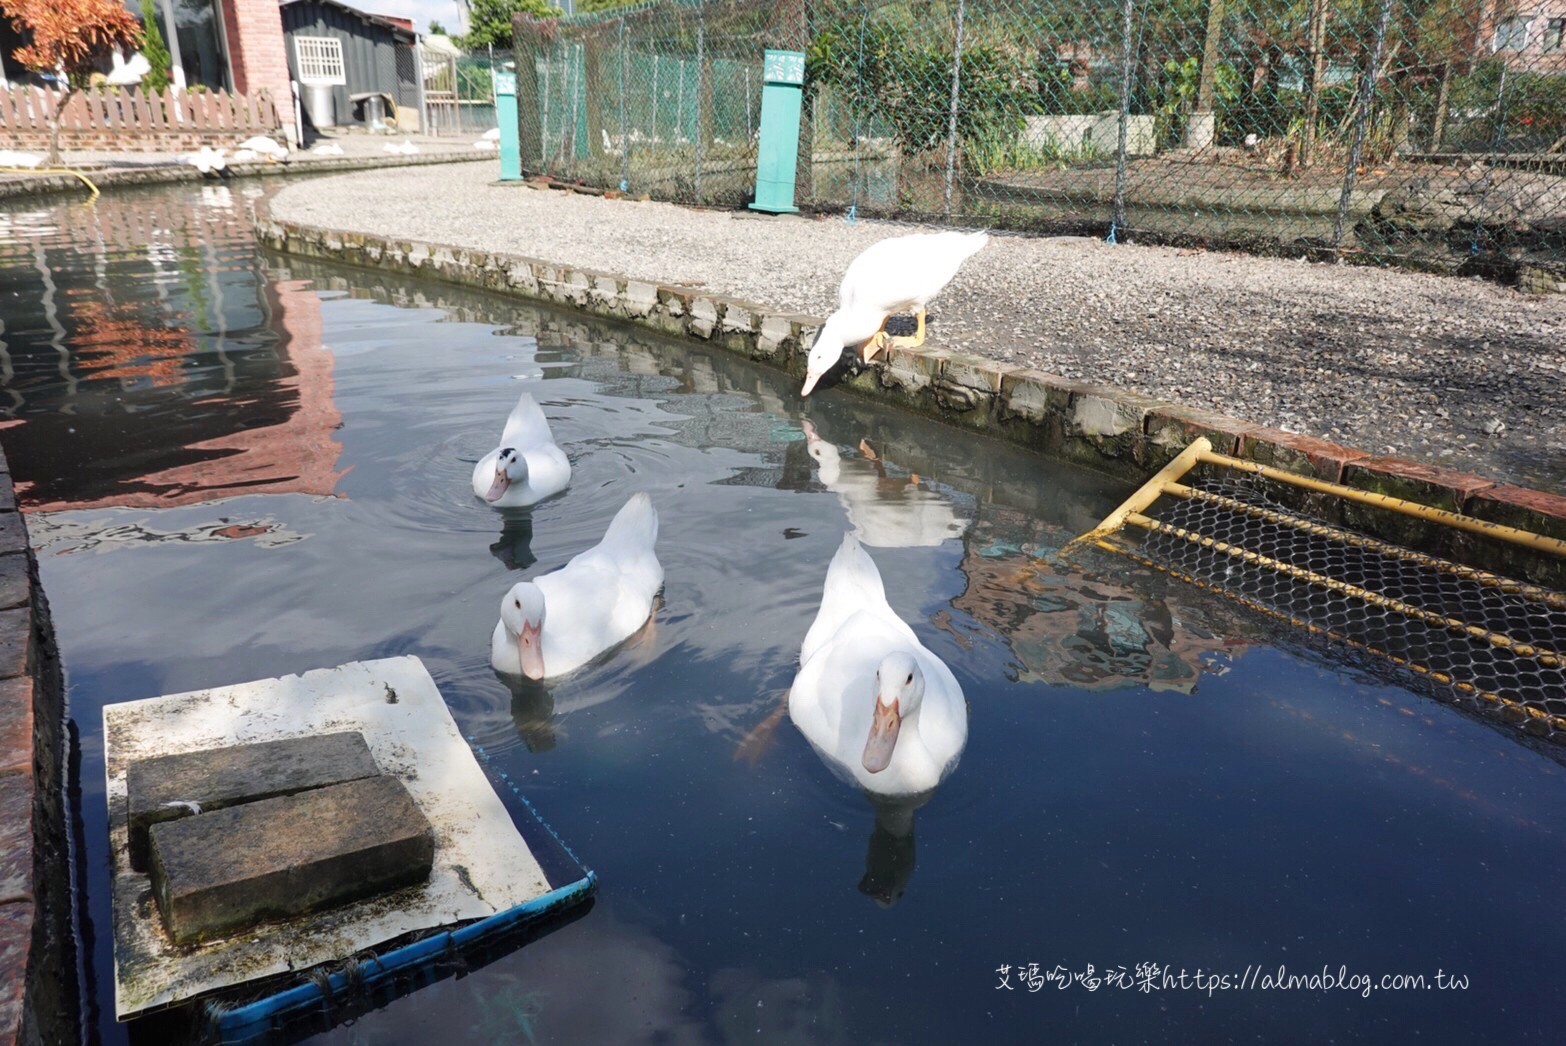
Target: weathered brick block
[(16, 835), (1293, 452), (217, 873), (215, 779), (15, 588), (16, 642), (16, 724)]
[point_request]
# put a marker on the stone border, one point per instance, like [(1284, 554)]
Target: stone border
[(38, 990), (1109, 429), (23, 184)]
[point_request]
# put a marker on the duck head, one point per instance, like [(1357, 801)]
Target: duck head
[(510, 467), (522, 614), (899, 688), (843, 328)]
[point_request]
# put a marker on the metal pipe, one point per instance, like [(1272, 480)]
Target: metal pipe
[(1527, 539), (1117, 218), (951, 115), (625, 136), (1146, 494), (1367, 92)]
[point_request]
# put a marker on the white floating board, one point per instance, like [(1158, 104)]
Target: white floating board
[(482, 865)]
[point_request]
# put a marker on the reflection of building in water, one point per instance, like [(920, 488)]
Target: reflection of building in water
[(63, 535), (1070, 627), (886, 508), (143, 324)]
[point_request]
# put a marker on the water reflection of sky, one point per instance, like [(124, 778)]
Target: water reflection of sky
[(1150, 776)]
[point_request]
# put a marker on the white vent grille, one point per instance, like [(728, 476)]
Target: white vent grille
[(320, 60)]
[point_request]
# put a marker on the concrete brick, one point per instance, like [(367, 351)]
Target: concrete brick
[(1293, 452), (1034, 394), (15, 584), (16, 836), (1171, 429), (16, 938), (219, 778), (639, 298), (13, 533), (217, 873), (1531, 510), (7, 493), (1416, 481), (704, 317), (16, 642), (16, 724)]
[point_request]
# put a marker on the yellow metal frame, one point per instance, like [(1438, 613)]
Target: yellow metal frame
[(1167, 481)]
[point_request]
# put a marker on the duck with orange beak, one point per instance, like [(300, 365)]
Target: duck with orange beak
[(560, 621), (880, 709)]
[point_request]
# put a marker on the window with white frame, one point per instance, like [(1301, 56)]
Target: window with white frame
[(1511, 34), (320, 60)]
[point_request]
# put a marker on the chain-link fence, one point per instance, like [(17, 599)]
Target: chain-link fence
[(1431, 131), (459, 89)]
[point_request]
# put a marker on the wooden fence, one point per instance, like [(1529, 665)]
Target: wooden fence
[(133, 118)]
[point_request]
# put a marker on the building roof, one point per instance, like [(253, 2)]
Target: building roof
[(400, 26)]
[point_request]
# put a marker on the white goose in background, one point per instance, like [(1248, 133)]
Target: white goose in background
[(402, 148), (878, 707), (899, 273), (885, 511), (558, 622), (263, 147), (527, 467), (14, 158), (327, 149)]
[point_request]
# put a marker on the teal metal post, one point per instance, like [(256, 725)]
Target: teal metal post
[(506, 120), (783, 76)]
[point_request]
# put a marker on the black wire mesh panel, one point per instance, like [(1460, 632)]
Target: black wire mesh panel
[(1465, 634)]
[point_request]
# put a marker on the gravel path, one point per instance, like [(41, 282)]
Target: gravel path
[(1460, 372)]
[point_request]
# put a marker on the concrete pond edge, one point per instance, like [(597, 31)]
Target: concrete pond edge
[(38, 983), (166, 174), (1113, 430)]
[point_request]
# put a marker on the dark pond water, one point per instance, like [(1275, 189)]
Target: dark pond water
[(238, 467)]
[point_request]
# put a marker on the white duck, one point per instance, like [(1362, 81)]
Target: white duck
[(327, 149), (527, 467), (877, 706), (207, 160), (268, 149), (902, 272), (560, 621), (403, 148), (13, 158)]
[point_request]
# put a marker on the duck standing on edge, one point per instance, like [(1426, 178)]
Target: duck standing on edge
[(878, 707), (560, 621), (527, 467), (902, 272)]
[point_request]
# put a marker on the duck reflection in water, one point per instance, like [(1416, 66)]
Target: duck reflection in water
[(889, 861), (515, 547), (885, 509), (532, 711)]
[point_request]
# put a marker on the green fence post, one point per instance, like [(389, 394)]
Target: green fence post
[(777, 154), (506, 118)]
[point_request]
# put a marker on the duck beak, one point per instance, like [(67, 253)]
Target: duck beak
[(530, 652), (810, 383), (497, 489), (883, 736)]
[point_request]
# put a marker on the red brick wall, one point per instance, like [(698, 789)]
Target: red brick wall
[(258, 53)]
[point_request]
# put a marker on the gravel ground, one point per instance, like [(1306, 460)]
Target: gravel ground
[(1459, 372)]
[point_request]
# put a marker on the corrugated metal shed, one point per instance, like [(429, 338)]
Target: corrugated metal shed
[(378, 54)]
